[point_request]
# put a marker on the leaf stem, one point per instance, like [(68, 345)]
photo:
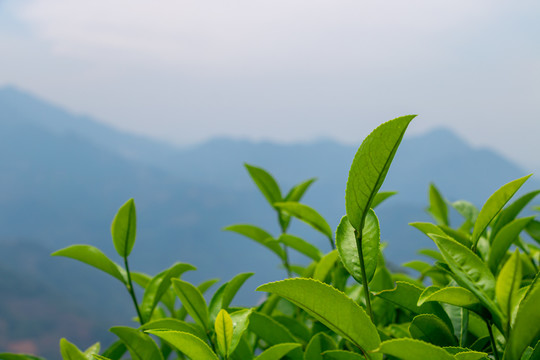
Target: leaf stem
[(285, 247), (493, 346), (364, 276), (132, 291)]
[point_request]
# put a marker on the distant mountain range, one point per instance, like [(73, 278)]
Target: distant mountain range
[(63, 176)]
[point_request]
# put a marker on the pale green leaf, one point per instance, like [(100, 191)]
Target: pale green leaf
[(307, 214), (70, 352), (224, 332), (494, 204), (94, 257), (190, 345), (193, 301), (176, 325), (382, 196), (410, 349), (325, 265), (347, 246), (504, 238), (278, 351), (437, 206), (124, 228), (140, 345), (266, 183)]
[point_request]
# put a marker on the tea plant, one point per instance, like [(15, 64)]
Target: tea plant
[(479, 298)]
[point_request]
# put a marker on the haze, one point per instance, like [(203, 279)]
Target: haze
[(286, 71)]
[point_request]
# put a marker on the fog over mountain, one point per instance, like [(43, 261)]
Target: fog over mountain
[(63, 177)]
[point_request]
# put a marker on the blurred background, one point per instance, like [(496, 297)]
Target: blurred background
[(164, 101)]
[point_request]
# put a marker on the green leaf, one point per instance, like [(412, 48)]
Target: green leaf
[(511, 212), (193, 301), (70, 352), (99, 357), (325, 266), (382, 196), (124, 228), (278, 351), (508, 284), (301, 246), (94, 257), (533, 229), (370, 166), (240, 320), (115, 351), (494, 204), (406, 295), (224, 331), (410, 349), (347, 246), (295, 326), (431, 253), (176, 325), (420, 266), (452, 295), (307, 214), (10, 356), (224, 295), (266, 183), (471, 355), (469, 271), (319, 344), (428, 228), (467, 210), (504, 238), (341, 355), (525, 329), (259, 235), (190, 345), (159, 285), (437, 206), (321, 301), (297, 191), (140, 345), (430, 328)]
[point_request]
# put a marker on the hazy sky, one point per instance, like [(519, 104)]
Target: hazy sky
[(285, 70)]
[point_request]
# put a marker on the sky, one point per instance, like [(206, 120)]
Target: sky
[(284, 70)]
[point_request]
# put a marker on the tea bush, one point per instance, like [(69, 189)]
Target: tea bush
[(479, 299)]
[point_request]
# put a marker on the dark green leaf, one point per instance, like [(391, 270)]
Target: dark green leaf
[(430, 328), (341, 355), (175, 324), (437, 206), (297, 191), (511, 212), (307, 215), (278, 351), (504, 238), (319, 344), (301, 246), (193, 302), (259, 235)]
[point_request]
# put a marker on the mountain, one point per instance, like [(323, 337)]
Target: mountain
[(63, 177)]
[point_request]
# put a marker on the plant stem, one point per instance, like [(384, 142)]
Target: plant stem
[(493, 346), (364, 276), (132, 292), (464, 327), (285, 248)]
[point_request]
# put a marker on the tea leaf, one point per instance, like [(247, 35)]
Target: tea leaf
[(278, 351), (10, 356), (240, 320), (190, 345), (382, 196), (341, 355), (307, 215), (224, 295), (140, 345), (410, 349), (348, 248), (325, 266), (224, 330), (176, 325), (452, 295), (511, 212), (370, 166), (124, 228), (494, 204), (430, 328), (159, 285), (93, 257), (266, 183), (508, 284), (437, 206), (525, 329), (193, 301), (259, 235), (297, 191), (319, 343), (504, 238), (321, 301), (406, 295), (469, 271), (301, 246), (70, 352)]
